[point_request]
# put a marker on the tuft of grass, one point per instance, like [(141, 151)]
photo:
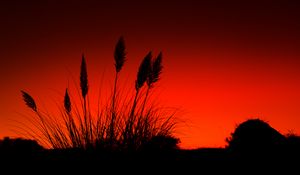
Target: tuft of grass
[(122, 123)]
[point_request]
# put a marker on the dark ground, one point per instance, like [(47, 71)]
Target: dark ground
[(253, 148), (212, 160)]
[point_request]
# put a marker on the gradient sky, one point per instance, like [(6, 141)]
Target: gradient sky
[(224, 61)]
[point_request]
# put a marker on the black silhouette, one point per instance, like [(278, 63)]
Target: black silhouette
[(130, 131), (117, 125), (253, 146), (19, 145), (255, 137)]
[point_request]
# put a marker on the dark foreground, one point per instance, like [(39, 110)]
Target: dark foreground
[(213, 160), (253, 148)]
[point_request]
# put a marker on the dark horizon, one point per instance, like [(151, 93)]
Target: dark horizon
[(254, 146)]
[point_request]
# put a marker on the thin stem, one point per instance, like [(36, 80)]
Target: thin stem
[(45, 130), (115, 91), (113, 110), (86, 132), (144, 103), (130, 120)]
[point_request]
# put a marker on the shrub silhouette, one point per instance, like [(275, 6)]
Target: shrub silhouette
[(122, 123), (19, 145), (255, 136)]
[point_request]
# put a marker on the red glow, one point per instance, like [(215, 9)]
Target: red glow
[(229, 67)]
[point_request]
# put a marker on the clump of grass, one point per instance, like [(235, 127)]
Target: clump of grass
[(122, 123)]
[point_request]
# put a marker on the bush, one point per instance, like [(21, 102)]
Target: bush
[(255, 136), (19, 145)]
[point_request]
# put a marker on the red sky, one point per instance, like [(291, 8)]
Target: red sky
[(224, 62)]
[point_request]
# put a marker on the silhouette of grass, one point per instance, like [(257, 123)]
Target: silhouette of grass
[(122, 123)]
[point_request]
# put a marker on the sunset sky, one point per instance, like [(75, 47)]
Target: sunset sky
[(224, 61)]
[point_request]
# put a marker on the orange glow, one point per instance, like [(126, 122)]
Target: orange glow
[(218, 72)]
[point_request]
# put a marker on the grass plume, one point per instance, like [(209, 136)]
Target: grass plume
[(83, 78), (143, 71), (153, 76), (67, 102), (29, 101), (120, 54), (155, 71), (121, 123)]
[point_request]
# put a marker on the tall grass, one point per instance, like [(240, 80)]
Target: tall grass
[(122, 122), (119, 56)]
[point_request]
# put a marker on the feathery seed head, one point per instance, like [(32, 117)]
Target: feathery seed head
[(120, 53), (67, 102), (143, 71), (83, 78), (155, 71), (29, 101)]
